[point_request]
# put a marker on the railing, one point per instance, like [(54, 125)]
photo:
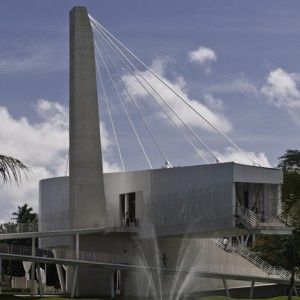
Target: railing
[(2, 284), (24, 250), (284, 217), (124, 258), (256, 260), (56, 226), (114, 258), (247, 216), (18, 228)]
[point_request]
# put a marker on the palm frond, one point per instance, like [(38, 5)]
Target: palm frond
[(11, 169)]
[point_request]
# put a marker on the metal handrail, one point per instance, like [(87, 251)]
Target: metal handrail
[(24, 250), (126, 258), (247, 216), (256, 260), (284, 217)]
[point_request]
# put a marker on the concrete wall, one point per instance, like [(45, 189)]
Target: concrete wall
[(172, 199), (196, 199), (245, 173), (54, 209), (186, 254)]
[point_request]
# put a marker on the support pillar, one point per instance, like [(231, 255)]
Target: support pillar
[(77, 255), (77, 246), (0, 275), (112, 284), (295, 291), (32, 268), (251, 289), (61, 278), (39, 276), (246, 240), (74, 282), (226, 288), (67, 270)]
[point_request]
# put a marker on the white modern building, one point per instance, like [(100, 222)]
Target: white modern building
[(182, 205)]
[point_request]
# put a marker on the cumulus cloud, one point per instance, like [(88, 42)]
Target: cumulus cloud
[(191, 118), (42, 146), (232, 155), (203, 56), (281, 90)]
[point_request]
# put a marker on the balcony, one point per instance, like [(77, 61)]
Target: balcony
[(260, 223)]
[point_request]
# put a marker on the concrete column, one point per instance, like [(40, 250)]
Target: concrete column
[(39, 276), (74, 282), (66, 268), (61, 278), (119, 280), (295, 290), (0, 274), (112, 284), (77, 256), (77, 246), (226, 288), (32, 268), (251, 289), (86, 187)]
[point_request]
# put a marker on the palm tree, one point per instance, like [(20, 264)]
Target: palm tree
[(24, 215), (11, 168)]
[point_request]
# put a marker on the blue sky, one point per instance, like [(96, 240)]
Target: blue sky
[(253, 82)]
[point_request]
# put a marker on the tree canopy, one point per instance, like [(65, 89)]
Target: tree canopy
[(290, 160), (285, 250), (11, 168), (24, 215)]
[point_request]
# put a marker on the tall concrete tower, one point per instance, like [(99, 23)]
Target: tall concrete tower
[(86, 187)]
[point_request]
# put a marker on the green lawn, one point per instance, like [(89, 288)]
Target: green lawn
[(226, 298), (15, 297)]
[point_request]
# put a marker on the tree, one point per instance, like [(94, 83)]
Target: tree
[(290, 160), (11, 168), (25, 215), (285, 250)]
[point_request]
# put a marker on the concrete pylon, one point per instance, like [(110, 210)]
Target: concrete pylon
[(86, 187)]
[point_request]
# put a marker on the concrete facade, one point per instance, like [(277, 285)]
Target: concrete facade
[(199, 200), (85, 159)]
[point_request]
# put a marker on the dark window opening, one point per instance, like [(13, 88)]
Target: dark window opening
[(128, 211)]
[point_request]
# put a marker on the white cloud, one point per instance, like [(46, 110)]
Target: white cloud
[(240, 85), (21, 58), (203, 56), (281, 90), (42, 146), (191, 118), (232, 155), (213, 103)]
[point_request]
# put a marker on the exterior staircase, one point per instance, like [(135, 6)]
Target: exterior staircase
[(255, 260)]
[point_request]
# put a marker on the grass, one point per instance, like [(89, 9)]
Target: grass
[(226, 298), (16, 297)]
